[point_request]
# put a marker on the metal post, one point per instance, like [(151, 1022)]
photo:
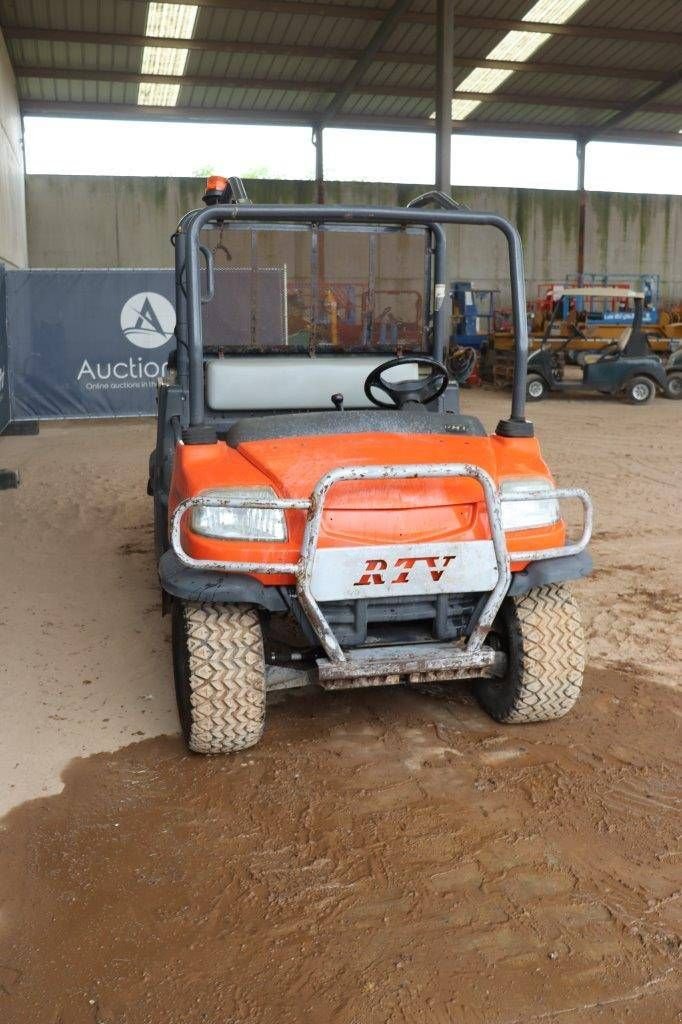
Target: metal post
[(318, 130), (317, 253), (445, 35), (181, 310), (581, 145)]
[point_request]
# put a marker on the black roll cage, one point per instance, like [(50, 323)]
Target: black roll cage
[(189, 298)]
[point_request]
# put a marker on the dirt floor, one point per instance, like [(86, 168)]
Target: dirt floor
[(381, 857)]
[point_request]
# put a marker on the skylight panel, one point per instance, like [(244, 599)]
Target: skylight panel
[(483, 80), (462, 108), (157, 94), (517, 46), (161, 60), (174, 21), (555, 12)]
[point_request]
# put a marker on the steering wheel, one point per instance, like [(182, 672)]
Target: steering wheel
[(608, 354), (403, 391)]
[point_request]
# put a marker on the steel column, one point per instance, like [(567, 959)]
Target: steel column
[(581, 146), (318, 143), (445, 35)]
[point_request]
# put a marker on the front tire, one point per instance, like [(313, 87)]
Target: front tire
[(219, 669), (542, 636), (536, 387), (640, 391)]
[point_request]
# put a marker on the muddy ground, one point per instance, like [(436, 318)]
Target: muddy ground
[(386, 856)]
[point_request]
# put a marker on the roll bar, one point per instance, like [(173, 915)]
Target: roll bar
[(435, 198), (187, 240)]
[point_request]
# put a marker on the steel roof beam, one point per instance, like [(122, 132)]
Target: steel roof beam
[(170, 42), (645, 102), (320, 10), (215, 81), (506, 129), (545, 68), (354, 77), (570, 29), (461, 20), (355, 13), (302, 86), (445, 42), (329, 53)]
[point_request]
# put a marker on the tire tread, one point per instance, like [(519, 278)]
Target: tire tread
[(547, 681), (225, 675)]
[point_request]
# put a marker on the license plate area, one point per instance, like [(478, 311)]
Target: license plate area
[(403, 570)]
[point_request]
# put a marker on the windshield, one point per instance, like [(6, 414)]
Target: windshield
[(300, 289)]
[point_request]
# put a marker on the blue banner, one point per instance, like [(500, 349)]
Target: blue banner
[(87, 343), (94, 343)]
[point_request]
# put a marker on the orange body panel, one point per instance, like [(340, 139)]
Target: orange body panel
[(361, 512)]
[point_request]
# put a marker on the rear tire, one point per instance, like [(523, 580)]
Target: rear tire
[(542, 635), (674, 389), (219, 670), (640, 391), (536, 387)]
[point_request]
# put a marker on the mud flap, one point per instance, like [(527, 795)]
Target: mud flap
[(551, 570)]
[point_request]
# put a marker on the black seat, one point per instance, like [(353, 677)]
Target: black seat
[(361, 421), (638, 345)]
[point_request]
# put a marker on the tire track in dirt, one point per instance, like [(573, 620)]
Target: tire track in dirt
[(390, 856)]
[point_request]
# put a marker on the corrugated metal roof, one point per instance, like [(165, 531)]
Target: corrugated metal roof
[(269, 60)]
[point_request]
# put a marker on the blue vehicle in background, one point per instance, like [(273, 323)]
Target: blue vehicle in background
[(626, 367)]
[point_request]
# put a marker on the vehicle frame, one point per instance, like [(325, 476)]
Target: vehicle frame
[(274, 585)]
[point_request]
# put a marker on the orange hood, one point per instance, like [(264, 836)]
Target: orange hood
[(294, 466), (363, 511)]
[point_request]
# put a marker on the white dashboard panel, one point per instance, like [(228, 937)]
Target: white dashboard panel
[(267, 383)]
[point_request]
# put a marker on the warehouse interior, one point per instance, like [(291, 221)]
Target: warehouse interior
[(385, 854)]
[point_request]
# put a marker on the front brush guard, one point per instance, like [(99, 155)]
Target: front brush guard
[(473, 655)]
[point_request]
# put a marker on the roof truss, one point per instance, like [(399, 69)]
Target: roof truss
[(228, 46), (343, 79)]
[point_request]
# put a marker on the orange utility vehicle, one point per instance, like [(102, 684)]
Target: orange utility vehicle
[(326, 515)]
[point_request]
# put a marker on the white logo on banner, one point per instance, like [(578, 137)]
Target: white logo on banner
[(2, 379), (148, 320)]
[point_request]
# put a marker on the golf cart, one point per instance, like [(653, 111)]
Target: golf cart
[(324, 513), (624, 367)]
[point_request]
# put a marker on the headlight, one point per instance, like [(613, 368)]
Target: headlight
[(228, 523), (523, 514)]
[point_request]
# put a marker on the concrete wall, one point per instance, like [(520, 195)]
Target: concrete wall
[(129, 221), (13, 248)]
